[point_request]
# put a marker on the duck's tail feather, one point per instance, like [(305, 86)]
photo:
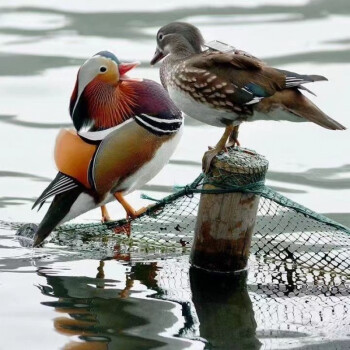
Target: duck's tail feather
[(294, 102), (61, 183), (294, 79), (303, 107), (58, 210)]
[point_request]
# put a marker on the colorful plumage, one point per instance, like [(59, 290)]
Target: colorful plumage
[(126, 131), (103, 95), (227, 88)]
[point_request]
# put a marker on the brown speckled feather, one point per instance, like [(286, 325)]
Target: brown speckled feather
[(218, 78)]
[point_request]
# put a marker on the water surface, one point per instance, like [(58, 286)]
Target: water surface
[(53, 298)]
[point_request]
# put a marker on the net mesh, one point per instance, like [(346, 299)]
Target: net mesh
[(284, 230), (281, 305), (296, 291)]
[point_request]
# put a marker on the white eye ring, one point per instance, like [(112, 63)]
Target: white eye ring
[(103, 69), (160, 36)]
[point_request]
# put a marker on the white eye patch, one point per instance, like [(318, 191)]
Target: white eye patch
[(88, 71)]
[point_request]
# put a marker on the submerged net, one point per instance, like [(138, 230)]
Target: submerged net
[(284, 230)]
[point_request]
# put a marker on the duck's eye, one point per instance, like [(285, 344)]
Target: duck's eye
[(160, 36), (103, 69)]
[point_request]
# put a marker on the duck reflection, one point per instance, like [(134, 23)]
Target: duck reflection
[(103, 317), (224, 310)]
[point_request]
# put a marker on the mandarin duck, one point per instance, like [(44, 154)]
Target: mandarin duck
[(126, 131), (225, 89)]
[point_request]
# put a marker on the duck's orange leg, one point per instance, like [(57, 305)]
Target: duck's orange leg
[(233, 139), (105, 214), (130, 211), (129, 283), (220, 146)]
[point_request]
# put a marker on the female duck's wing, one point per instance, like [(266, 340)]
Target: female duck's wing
[(228, 81), (241, 84)]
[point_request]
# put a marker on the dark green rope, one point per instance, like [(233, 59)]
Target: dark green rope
[(257, 188)]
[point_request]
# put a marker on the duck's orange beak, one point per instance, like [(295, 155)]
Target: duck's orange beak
[(125, 67)]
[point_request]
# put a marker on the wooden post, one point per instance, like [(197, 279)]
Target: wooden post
[(225, 222), (224, 309)]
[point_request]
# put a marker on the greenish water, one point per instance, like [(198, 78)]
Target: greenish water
[(56, 298)]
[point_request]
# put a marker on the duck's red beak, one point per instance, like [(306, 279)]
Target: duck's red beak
[(124, 67), (158, 55)]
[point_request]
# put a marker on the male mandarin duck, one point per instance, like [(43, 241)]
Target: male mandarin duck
[(227, 88), (126, 131)]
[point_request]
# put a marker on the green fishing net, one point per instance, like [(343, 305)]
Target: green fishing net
[(284, 230), (295, 294)]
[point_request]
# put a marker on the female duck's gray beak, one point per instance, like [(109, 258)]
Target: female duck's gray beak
[(158, 55)]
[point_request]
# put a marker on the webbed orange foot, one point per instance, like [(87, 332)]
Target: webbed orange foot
[(130, 211), (133, 214)]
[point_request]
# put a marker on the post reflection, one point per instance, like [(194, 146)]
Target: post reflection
[(224, 310)]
